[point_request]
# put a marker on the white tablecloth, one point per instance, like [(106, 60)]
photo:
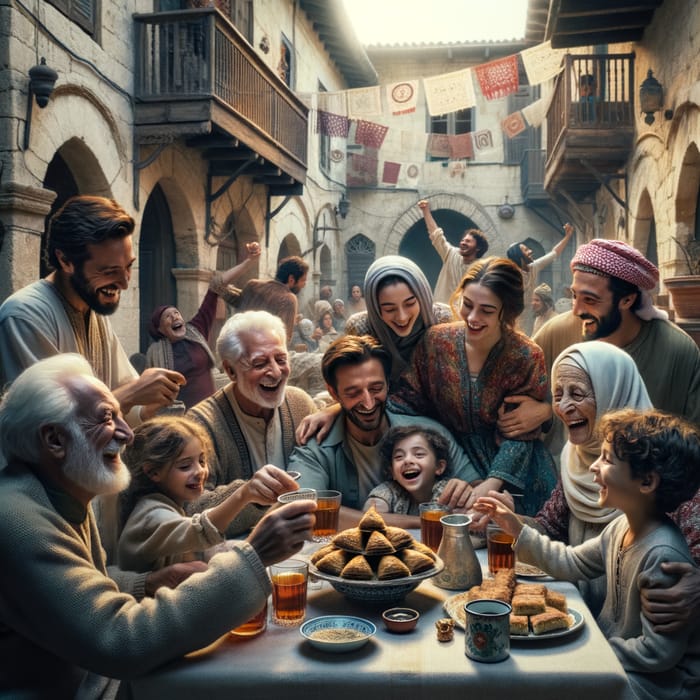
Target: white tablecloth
[(280, 664)]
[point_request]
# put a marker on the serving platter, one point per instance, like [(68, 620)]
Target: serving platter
[(577, 622), (374, 590), (454, 607)]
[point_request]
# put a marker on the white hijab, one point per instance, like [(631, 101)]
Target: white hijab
[(616, 384)]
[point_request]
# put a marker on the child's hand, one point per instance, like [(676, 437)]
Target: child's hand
[(503, 516)]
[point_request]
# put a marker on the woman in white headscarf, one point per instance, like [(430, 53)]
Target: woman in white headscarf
[(400, 308), (588, 380)]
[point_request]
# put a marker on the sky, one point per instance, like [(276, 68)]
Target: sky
[(432, 21)]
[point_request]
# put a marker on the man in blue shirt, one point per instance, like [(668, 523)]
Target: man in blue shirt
[(355, 370)]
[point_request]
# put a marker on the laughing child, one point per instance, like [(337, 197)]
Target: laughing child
[(168, 464), (648, 466), (414, 458)]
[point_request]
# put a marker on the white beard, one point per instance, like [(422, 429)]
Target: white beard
[(84, 466)]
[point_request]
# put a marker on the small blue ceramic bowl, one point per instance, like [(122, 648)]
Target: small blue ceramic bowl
[(337, 633)]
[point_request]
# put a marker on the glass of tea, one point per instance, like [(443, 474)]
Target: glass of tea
[(254, 626), (327, 515), (289, 581), (430, 525), (499, 545), (298, 495)]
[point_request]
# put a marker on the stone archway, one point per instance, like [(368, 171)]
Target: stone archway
[(455, 213), (289, 246), (73, 170)]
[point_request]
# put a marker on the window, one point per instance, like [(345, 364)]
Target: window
[(82, 12), (460, 122), (285, 68), (324, 144)]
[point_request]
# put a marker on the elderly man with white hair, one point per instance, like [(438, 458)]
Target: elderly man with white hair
[(67, 630), (252, 420)]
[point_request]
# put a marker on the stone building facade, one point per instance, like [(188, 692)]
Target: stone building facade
[(653, 202), (463, 192), (94, 137)]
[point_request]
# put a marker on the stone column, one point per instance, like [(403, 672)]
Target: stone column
[(192, 285), (23, 210)]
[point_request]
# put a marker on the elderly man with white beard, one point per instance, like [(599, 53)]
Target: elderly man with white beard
[(66, 629), (252, 420)]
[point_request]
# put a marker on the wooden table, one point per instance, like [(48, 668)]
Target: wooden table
[(280, 665)]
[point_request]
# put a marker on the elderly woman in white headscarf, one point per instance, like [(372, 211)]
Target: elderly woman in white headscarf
[(588, 380)]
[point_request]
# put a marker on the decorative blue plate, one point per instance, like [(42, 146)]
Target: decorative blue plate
[(338, 633)]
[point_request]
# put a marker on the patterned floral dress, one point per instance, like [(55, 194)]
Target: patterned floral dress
[(439, 385)]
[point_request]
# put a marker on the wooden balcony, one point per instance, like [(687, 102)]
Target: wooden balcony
[(589, 139), (198, 79)]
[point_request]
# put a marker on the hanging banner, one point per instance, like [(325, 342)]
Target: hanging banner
[(499, 78), (402, 97), (449, 92), (513, 124), (364, 102), (542, 62), (370, 134)]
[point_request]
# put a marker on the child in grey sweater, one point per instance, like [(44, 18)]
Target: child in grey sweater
[(648, 466)]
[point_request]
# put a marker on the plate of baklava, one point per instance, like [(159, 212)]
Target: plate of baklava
[(374, 561), (538, 612)]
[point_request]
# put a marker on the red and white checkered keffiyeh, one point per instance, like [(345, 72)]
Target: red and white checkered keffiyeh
[(616, 259)]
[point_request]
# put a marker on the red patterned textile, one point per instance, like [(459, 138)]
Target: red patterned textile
[(362, 169), (370, 134), (616, 259), (498, 78), (513, 124), (461, 146), (438, 146), (391, 172), (332, 124)]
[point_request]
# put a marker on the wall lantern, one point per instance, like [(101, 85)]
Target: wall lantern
[(651, 97), (506, 210), (343, 206), (41, 82)]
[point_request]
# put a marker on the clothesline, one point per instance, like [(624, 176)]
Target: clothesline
[(344, 114), (445, 93)]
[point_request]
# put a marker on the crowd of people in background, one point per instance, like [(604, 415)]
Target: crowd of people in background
[(497, 398)]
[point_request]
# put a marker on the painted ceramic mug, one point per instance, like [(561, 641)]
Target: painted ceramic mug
[(487, 635)]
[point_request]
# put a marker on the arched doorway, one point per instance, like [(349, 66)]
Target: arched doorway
[(289, 246), (416, 244), (156, 260), (360, 252), (60, 180)]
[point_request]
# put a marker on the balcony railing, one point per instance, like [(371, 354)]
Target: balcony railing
[(198, 54), (610, 106), (590, 123)]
